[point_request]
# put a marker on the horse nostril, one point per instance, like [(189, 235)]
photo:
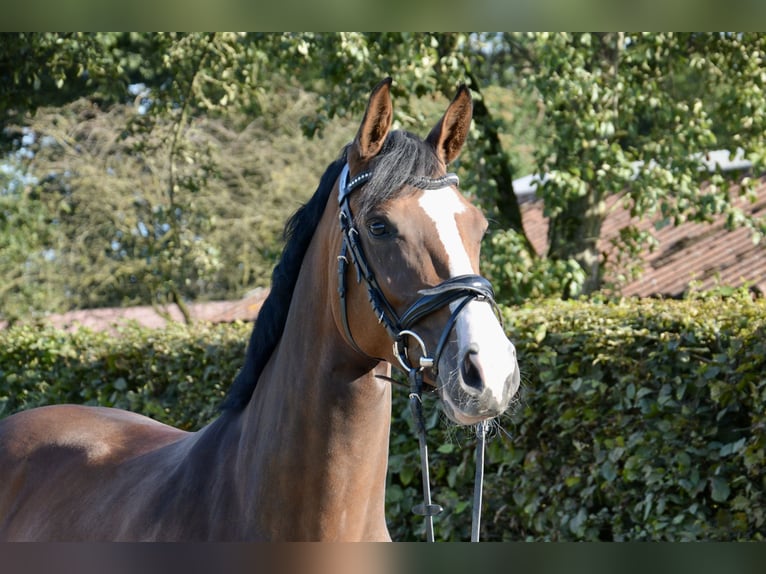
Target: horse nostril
[(470, 371)]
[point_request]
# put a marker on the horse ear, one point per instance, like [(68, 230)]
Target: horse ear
[(375, 124), (449, 135)]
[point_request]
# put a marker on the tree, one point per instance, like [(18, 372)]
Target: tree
[(659, 101), (209, 76), (176, 78), (102, 224), (611, 102), (589, 109), (26, 239)]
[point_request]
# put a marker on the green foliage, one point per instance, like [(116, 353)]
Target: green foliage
[(100, 211), (26, 238), (168, 158), (517, 276), (178, 70), (178, 375), (661, 101), (637, 420), (640, 421), (131, 137)]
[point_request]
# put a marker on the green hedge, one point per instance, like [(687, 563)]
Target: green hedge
[(178, 375), (636, 421)]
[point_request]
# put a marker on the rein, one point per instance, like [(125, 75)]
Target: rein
[(461, 289)]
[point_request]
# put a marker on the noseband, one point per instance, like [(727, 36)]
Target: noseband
[(462, 289)]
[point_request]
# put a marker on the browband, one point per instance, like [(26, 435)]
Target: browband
[(345, 186)]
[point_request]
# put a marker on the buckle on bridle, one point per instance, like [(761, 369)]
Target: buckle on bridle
[(400, 351)]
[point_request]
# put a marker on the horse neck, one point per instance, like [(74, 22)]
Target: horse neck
[(315, 434)]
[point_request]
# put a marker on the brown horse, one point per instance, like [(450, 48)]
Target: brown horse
[(302, 454)]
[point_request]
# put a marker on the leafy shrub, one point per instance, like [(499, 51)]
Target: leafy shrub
[(637, 420), (178, 375), (518, 276), (641, 421)]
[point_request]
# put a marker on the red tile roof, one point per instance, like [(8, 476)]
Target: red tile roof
[(245, 309), (704, 253)]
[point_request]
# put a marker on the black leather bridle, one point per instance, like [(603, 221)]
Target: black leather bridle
[(463, 288)]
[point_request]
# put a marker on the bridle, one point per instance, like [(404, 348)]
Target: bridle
[(461, 289)]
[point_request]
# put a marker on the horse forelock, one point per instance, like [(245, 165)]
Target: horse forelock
[(403, 155)]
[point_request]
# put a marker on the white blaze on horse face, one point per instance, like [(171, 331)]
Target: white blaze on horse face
[(477, 326)]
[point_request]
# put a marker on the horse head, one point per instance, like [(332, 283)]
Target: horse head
[(413, 240)]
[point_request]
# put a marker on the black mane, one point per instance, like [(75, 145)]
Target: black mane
[(271, 319), (403, 155)]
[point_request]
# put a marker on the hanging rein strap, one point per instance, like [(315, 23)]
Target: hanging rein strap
[(463, 289), (427, 510), (478, 481)]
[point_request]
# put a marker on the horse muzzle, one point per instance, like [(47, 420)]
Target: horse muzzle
[(478, 380)]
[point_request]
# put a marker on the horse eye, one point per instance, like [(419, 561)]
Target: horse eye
[(378, 228)]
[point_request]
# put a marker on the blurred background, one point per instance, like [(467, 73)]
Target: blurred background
[(157, 170)]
